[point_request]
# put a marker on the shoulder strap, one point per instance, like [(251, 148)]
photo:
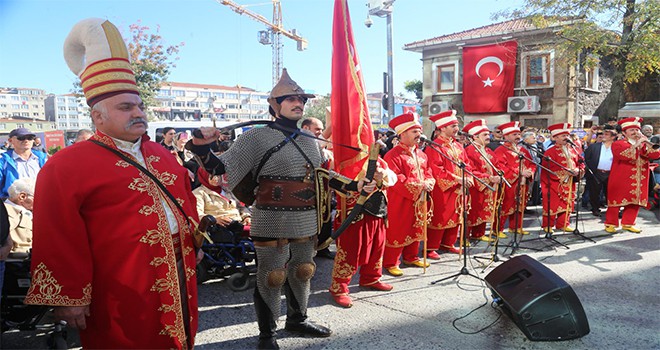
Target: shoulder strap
[(270, 152), (148, 173)]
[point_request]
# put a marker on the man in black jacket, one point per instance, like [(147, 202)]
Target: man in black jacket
[(598, 158)]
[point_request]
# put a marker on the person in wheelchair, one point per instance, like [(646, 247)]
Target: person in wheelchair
[(19, 210), (229, 213)]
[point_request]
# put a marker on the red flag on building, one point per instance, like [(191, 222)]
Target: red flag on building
[(489, 74), (409, 109), (351, 124)]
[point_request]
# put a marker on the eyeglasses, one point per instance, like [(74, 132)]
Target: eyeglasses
[(26, 137)]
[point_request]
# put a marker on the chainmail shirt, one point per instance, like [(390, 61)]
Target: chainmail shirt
[(245, 155)]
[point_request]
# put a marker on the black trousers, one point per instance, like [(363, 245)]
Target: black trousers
[(595, 186)]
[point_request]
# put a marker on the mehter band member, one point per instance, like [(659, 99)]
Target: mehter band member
[(112, 252), (405, 198), (628, 185), (559, 188)]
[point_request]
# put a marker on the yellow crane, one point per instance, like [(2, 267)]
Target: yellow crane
[(272, 36)]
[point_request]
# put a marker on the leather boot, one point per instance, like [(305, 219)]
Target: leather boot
[(266, 322), (297, 322)]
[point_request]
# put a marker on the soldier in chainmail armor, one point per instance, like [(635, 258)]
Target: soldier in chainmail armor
[(284, 219)]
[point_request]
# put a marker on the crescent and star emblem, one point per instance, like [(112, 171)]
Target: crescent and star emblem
[(489, 59)]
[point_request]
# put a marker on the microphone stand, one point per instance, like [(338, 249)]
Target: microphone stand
[(494, 257), (515, 244), (464, 196), (576, 231)]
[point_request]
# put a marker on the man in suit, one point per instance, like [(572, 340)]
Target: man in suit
[(598, 158)]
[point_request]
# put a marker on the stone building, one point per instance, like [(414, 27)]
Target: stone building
[(546, 91)]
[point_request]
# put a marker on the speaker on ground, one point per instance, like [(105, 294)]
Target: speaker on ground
[(538, 301)]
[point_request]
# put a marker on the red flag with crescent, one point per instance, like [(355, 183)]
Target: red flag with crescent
[(351, 124), (489, 74)]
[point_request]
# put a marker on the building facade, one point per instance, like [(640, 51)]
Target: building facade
[(187, 101), (545, 90), (69, 112), (22, 102)]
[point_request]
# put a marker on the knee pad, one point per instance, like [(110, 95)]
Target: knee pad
[(305, 271), (276, 278)]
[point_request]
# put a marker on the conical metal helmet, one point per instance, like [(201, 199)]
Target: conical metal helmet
[(285, 87)]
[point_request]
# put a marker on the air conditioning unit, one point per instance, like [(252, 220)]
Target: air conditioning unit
[(438, 106), (523, 104)]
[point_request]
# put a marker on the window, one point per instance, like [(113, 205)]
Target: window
[(231, 96), (15, 106), (24, 98), (444, 77), (162, 92), (219, 95), (204, 94), (60, 100), (179, 93), (192, 104), (40, 126), (15, 98), (591, 78), (537, 69)]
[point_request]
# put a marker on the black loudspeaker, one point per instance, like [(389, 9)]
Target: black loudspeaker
[(541, 303)]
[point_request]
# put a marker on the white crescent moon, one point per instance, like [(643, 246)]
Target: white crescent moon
[(489, 59)]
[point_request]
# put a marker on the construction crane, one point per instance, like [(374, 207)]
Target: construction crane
[(272, 36)]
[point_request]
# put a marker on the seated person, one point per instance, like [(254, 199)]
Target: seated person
[(213, 200), (19, 209)]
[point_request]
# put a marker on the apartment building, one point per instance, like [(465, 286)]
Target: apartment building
[(188, 101), (22, 102), (68, 112)]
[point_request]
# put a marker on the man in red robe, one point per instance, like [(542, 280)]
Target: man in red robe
[(446, 195), (482, 199), (407, 197), (361, 245), (112, 253), (628, 185), (559, 187), (508, 160)]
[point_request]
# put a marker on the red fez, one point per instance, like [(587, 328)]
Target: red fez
[(404, 122), (558, 129), (476, 127), (444, 118), (629, 123), (510, 127)]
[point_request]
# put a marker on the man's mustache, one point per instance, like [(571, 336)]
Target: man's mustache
[(136, 121)]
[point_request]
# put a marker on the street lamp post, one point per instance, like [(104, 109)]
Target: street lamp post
[(383, 8)]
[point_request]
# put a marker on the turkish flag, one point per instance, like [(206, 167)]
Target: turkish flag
[(409, 109), (489, 74), (351, 124)]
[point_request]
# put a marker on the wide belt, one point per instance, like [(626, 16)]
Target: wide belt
[(282, 193)]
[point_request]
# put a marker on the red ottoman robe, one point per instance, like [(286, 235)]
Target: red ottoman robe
[(629, 177), (405, 223), (508, 162), (482, 199), (561, 185), (101, 238)]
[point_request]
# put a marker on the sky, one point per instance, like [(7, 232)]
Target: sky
[(221, 46)]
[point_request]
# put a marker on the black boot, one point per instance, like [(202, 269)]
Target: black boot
[(266, 322), (297, 322)]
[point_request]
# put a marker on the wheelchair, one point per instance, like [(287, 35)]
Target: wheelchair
[(229, 256), (14, 314)]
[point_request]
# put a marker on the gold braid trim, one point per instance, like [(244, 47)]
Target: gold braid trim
[(45, 290)]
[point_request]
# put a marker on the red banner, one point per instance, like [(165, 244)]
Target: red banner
[(489, 74), (351, 124)]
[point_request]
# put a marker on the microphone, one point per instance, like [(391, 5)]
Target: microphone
[(571, 142)]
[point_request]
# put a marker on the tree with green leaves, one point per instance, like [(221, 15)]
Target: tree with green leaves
[(151, 61), (414, 86), (316, 107), (626, 32)]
